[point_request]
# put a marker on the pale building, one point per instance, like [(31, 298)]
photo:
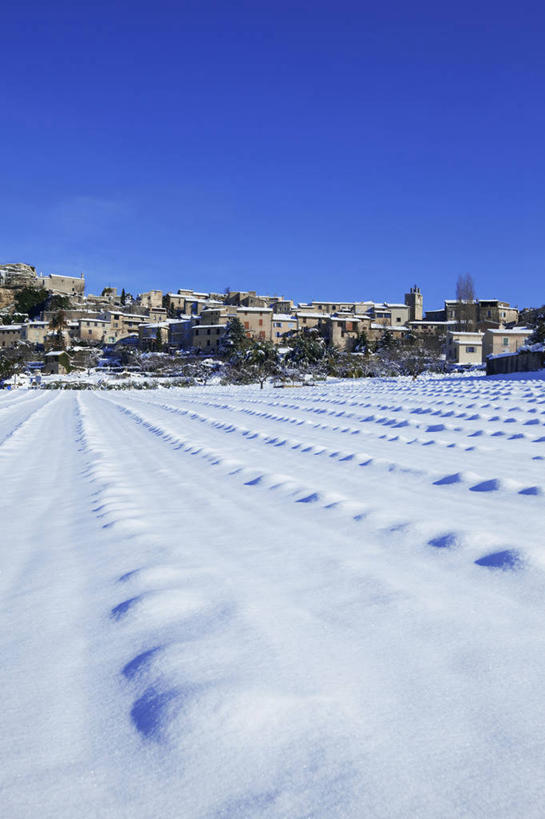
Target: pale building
[(283, 326), (10, 334), (121, 325), (257, 321), (496, 342), (93, 329), (207, 337), (63, 285), (151, 299), (309, 319), (35, 332), (464, 347)]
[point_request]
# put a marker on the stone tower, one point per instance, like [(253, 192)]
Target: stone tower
[(415, 302)]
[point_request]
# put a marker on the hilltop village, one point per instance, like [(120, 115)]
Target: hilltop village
[(59, 326)]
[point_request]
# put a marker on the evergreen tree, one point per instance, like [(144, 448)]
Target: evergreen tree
[(307, 347), (234, 342)]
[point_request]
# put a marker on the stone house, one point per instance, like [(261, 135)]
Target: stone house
[(282, 326), (504, 341), (343, 331), (464, 347), (93, 329), (207, 337), (10, 334), (257, 321), (151, 299), (308, 319), (56, 363), (495, 313), (63, 285), (245, 298), (333, 306), (180, 333), (157, 314), (121, 325), (35, 332), (175, 303), (282, 305)]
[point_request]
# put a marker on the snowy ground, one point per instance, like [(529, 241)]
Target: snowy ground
[(317, 602)]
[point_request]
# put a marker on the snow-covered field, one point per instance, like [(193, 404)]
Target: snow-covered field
[(317, 602)]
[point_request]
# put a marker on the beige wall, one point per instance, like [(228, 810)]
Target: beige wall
[(93, 329), (67, 285), (152, 298), (399, 314), (207, 337), (9, 334), (157, 314), (464, 348), (343, 333), (122, 324), (309, 320), (35, 333), (281, 325), (496, 342), (257, 322)]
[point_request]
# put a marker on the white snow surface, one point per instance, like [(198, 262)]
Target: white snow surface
[(316, 602)]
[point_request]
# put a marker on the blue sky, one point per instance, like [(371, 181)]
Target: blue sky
[(315, 149)]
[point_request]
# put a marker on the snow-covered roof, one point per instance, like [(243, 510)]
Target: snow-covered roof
[(466, 333), (283, 317), (60, 276), (208, 326), (9, 327), (418, 322), (243, 309), (513, 331), (375, 326), (304, 314)]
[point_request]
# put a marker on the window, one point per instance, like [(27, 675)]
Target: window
[(90, 332), (488, 313), (246, 325), (262, 334), (398, 318), (506, 342), (261, 322), (278, 335), (470, 349), (208, 332)]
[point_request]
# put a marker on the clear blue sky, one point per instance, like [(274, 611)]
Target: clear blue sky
[(318, 149)]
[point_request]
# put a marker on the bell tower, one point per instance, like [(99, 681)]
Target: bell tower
[(415, 302)]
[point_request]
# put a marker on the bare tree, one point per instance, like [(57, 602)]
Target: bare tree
[(465, 288), (466, 310)]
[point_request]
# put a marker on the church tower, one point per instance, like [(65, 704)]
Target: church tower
[(415, 302)]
